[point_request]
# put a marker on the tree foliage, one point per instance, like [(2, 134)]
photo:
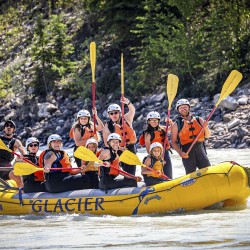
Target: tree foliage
[(198, 40), (201, 41), (50, 51)]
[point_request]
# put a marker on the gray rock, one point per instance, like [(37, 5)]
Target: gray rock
[(227, 117), (243, 100), (233, 123), (229, 103)]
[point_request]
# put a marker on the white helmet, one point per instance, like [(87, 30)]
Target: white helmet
[(154, 145), (153, 115), (114, 107), (82, 113), (91, 140), (31, 140), (182, 102), (54, 137), (114, 136)]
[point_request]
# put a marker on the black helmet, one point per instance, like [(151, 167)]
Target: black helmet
[(10, 122)]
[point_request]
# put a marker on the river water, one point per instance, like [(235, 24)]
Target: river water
[(205, 229)]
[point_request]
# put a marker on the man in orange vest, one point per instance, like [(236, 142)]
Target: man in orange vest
[(184, 131), (114, 125)]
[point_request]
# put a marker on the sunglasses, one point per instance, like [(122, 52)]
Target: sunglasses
[(9, 125), (33, 145), (114, 113)]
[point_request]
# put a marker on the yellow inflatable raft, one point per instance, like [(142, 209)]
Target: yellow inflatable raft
[(226, 183)]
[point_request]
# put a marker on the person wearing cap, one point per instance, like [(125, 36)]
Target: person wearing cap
[(114, 125), (183, 133), (91, 168), (33, 182), (155, 161), (60, 180), (83, 129), (110, 156), (10, 139), (157, 133)]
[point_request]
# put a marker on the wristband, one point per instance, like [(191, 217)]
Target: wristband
[(128, 103)]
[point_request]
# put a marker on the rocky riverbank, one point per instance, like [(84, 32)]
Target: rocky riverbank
[(230, 123)]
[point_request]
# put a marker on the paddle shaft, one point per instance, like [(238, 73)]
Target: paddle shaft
[(6, 168), (23, 158), (122, 97), (154, 171), (94, 104), (166, 135), (124, 173), (93, 85), (196, 138)]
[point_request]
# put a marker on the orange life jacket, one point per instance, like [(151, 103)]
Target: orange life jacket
[(129, 134), (86, 133), (114, 161), (155, 165), (189, 132), (158, 137), (62, 160)]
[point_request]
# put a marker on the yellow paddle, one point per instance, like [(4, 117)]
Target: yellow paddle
[(87, 155), (93, 63), (229, 86), (4, 147), (172, 86), (132, 159), (24, 168)]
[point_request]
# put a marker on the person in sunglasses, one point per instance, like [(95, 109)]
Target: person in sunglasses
[(10, 139), (65, 178), (83, 129), (33, 182), (114, 125)]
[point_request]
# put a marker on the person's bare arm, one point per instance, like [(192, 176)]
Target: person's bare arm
[(105, 134), (129, 116), (99, 125), (147, 138), (18, 145)]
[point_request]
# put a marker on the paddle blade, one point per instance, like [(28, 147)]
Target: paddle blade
[(93, 59), (4, 147), (130, 158), (172, 86), (85, 154), (24, 168), (230, 84)]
